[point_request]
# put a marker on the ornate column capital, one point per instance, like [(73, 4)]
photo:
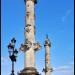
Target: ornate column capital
[(35, 1), (47, 42)]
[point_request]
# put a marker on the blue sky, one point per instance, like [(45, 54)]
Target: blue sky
[(53, 17)]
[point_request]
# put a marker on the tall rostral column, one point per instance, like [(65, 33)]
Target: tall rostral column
[(47, 46), (30, 46)]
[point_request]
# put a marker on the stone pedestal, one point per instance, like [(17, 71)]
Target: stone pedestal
[(29, 71)]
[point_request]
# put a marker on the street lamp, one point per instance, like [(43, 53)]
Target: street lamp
[(12, 53)]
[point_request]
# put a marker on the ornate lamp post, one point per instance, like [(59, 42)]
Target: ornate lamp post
[(12, 53)]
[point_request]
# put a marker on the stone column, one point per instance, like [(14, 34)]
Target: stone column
[(47, 46), (30, 46), (29, 33)]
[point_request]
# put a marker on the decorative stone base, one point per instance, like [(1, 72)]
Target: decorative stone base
[(29, 71)]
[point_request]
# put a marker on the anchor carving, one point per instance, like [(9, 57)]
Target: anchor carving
[(36, 46)]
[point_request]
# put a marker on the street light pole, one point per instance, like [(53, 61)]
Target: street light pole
[(12, 53), (12, 68)]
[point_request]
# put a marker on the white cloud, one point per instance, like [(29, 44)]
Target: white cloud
[(64, 17), (4, 61), (64, 70), (5, 66)]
